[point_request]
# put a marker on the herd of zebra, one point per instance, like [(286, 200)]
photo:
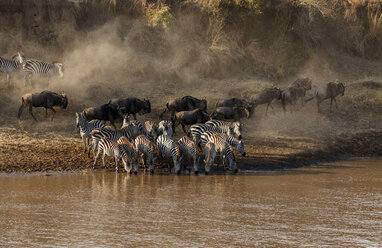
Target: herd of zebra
[(30, 67), (136, 141)]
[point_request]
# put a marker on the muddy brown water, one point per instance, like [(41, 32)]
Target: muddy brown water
[(327, 205)]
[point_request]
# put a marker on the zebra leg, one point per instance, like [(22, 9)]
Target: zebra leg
[(31, 113), (85, 142), (95, 159), (9, 79), (116, 158), (103, 159)]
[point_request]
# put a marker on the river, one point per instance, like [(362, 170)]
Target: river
[(334, 205)]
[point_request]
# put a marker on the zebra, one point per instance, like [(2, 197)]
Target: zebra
[(170, 149), (130, 132), (86, 128), (209, 155), (238, 144), (131, 154), (111, 148), (234, 127), (187, 148), (222, 147), (33, 67), (10, 65), (165, 128), (150, 130), (145, 147), (197, 130), (126, 121)]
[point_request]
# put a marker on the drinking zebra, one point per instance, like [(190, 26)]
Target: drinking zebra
[(130, 132), (209, 156), (86, 128), (197, 130), (222, 147), (235, 127), (131, 154), (11, 65), (187, 148), (145, 147), (238, 144), (36, 67), (170, 149), (109, 147)]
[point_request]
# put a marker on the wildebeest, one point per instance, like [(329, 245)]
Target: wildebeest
[(106, 112), (332, 90), (267, 96), (189, 118), (302, 82), (235, 113), (46, 99), (232, 102), (132, 106), (185, 103), (291, 95)]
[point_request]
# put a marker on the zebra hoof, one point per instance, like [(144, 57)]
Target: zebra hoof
[(206, 172), (196, 172), (235, 171), (151, 171), (178, 172), (130, 172), (135, 172)]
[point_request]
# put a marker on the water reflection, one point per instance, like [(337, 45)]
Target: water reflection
[(321, 206)]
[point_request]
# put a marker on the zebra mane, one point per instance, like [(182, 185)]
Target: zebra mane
[(17, 54)]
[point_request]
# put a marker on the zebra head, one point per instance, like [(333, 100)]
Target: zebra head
[(210, 154), (240, 147), (79, 119), (19, 58), (126, 120), (235, 129), (60, 68)]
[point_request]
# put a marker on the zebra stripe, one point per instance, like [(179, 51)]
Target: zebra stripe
[(222, 147), (86, 128), (238, 144), (232, 128), (197, 130), (131, 153), (165, 128), (187, 148), (33, 67), (150, 130), (145, 147), (170, 149), (130, 132), (111, 148), (126, 122), (10, 65)]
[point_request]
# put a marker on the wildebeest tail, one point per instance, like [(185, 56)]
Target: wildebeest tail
[(23, 104)]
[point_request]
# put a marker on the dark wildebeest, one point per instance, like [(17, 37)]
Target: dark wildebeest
[(332, 90), (189, 118), (291, 95), (106, 112), (46, 99), (302, 82), (235, 113), (267, 96), (185, 103), (233, 102), (132, 106)]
